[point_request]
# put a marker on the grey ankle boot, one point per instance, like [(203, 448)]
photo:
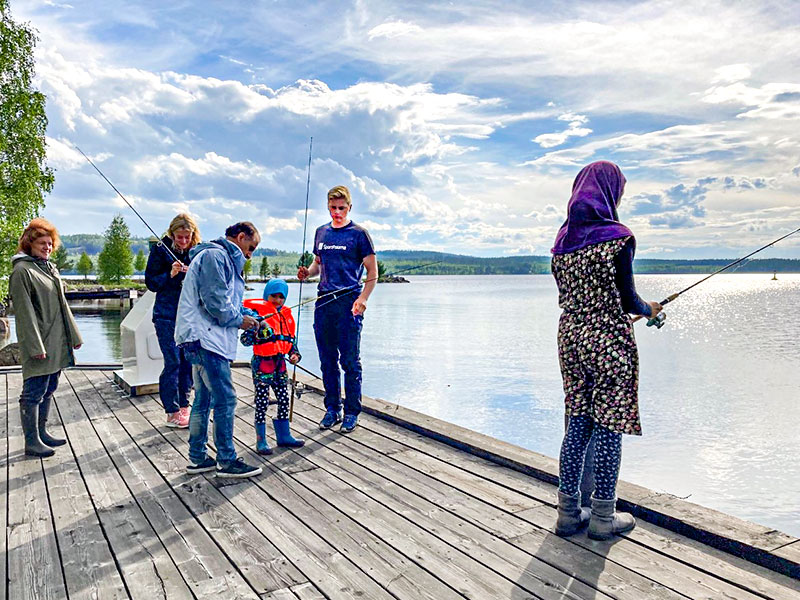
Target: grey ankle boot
[(571, 517), (47, 439), (605, 522), (30, 428)]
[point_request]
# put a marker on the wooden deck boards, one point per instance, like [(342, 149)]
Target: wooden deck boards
[(382, 513)]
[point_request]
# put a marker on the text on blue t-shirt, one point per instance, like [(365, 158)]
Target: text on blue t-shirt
[(342, 252)]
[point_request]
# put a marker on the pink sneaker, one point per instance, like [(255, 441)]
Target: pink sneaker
[(186, 411), (178, 419)]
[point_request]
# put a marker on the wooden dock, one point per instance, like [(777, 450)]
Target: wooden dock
[(383, 513)]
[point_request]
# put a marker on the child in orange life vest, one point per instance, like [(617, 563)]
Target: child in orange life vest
[(272, 341)]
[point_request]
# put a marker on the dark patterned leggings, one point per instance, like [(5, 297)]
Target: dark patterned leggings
[(262, 399), (608, 454)]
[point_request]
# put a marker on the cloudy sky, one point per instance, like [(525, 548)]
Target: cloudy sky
[(459, 126)]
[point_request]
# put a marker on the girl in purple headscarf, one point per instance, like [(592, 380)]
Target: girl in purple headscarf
[(593, 267)]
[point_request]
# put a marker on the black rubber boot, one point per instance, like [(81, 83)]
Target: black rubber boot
[(30, 428), (47, 439)]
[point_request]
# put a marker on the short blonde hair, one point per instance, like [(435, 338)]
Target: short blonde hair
[(37, 228), (184, 221), (340, 192)]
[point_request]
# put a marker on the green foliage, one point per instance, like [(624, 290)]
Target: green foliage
[(276, 270), (24, 177), (92, 243), (140, 264), (263, 268), (248, 268), (305, 260), (84, 265), (60, 258), (115, 262), (381, 270)]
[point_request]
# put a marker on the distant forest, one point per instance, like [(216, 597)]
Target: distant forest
[(459, 264)]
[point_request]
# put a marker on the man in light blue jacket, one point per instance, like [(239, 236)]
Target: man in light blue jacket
[(206, 327)]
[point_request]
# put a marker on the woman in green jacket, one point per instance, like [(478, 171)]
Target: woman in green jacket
[(46, 331)]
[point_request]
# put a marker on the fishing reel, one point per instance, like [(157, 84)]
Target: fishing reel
[(658, 320)]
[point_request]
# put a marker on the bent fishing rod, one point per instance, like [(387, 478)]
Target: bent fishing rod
[(302, 260), (124, 199), (659, 319)]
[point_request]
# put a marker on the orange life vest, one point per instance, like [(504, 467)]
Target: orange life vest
[(282, 324)]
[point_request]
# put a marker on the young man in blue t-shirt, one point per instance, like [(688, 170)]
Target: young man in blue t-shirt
[(343, 250)]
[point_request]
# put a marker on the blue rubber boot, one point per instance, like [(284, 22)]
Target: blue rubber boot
[(284, 436), (261, 439)]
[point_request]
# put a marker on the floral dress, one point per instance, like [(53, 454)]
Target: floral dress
[(596, 347)]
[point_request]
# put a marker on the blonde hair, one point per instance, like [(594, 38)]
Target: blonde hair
[(340, 192), (37, 228), (184, 221)]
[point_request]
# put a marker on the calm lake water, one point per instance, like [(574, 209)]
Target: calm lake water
[(718, 384)]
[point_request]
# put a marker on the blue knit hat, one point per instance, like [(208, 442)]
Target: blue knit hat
[(276, 286)]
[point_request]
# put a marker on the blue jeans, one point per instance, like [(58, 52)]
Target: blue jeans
[(213, 390), (338, 335), (35, 389), (175, 380)]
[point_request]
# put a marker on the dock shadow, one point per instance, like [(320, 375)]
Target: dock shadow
[(581, 561)]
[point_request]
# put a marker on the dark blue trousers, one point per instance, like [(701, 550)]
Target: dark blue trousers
[(175, 380), (338, 335), (37, 388)]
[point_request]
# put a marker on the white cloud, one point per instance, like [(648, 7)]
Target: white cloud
[(731, 73), (393, 29), (428, 112), (549, 140)]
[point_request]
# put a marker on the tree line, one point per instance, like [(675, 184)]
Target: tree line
[(116, 261)]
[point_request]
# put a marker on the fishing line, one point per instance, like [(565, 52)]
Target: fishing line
[(141, 218), (658, 320), (302, 258), (351, 288)]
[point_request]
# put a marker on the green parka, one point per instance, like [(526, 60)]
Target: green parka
[(44, 322)]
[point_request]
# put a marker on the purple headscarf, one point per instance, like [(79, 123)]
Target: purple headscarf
[(592, 209)]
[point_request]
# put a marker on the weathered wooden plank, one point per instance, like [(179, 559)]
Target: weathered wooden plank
[(284, 594), (673, 574), (464, 556), (647, 565), (326, 564), (442, 468), (398, 575), (756, 543), (738, 571), (790, 552), (87, 560), (4, 402), (439, 478), (147, 569), (501, 557), (306, 591), (722, 565), (202, 564), (34, 563), (263, 566)]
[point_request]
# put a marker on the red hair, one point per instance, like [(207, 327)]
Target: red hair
[(37, 228)]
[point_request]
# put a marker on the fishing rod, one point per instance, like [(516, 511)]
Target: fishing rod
[(302, 260), (141, 218), (345, 289), (261, 318), (659, 319)]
